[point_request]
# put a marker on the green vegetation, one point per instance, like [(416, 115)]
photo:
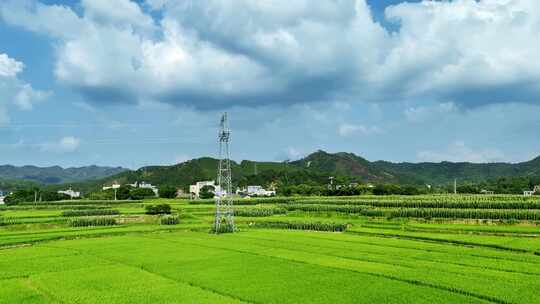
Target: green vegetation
[(167, 192), (257, 212), (315, 226), (169, 220), (309, 176), (96, 221), (158, 209), (360, 249), (72, 213), (207, 192)]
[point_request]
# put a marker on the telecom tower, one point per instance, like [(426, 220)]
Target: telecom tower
[(224, 221)]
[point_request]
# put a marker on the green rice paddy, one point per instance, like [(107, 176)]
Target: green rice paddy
[(376, 260)]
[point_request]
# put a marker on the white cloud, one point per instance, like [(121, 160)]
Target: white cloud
[(13, 90), (458, 151), (66, 144), (9, 67), (213, 54), (357, 130), (118, 12), (27, 96)]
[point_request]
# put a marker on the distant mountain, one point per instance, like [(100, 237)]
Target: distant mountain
[(316, 168), (56, 174)]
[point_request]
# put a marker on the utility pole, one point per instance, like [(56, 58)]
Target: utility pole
[(115, 193), (455, 185), (255, 168), (224, 220)]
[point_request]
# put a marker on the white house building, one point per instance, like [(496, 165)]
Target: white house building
[(2, 200), (69, 192), (113, 186), (196, 189), (536, 190), (256, 191)]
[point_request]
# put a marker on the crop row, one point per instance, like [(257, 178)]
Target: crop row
[(428, 204), (80, 202), (502, 214), (438, 198), (331, 208), (95, 221), (247, 201), (169, 220), (468, 214), (72, 213), (315, 226), (259, 212)]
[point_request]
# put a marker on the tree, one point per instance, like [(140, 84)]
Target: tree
[(141, 193), (123, 193), (19, 196), (206, 192), (167, 192)]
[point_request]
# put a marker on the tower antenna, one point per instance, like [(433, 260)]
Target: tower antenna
[(224, 221)]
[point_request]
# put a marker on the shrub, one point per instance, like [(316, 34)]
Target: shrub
[(89, 222), (169, 220), (158, 209)]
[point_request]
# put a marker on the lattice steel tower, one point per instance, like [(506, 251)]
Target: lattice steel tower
[(224, 221)]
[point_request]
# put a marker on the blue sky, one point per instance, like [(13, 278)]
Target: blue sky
[(141, 83)]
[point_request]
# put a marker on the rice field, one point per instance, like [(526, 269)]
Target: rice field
[(281, 254)]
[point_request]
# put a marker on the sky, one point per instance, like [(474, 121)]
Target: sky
[(137, 83)]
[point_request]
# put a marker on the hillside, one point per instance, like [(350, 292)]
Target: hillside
[(56, 174), (316, 168)]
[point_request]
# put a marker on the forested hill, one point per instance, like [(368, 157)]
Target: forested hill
[(56, 174), (318, 167)]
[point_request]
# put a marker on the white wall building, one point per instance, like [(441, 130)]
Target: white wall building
[(2, 200), (69, 192), (256, 191), (145, 185), (533, 192), (113, 186), (196, 189)]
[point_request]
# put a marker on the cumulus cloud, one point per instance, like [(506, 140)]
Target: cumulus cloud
[(458, 151), (66, 144), (13, 90), (216, 54), (357, 130), (9, 67)]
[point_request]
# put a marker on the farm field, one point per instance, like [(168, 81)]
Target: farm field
[(281, 254)]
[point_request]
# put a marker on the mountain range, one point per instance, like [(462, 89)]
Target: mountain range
[(317, 167), (56, 174)]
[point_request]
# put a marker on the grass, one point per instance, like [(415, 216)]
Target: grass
[(376, 260)]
